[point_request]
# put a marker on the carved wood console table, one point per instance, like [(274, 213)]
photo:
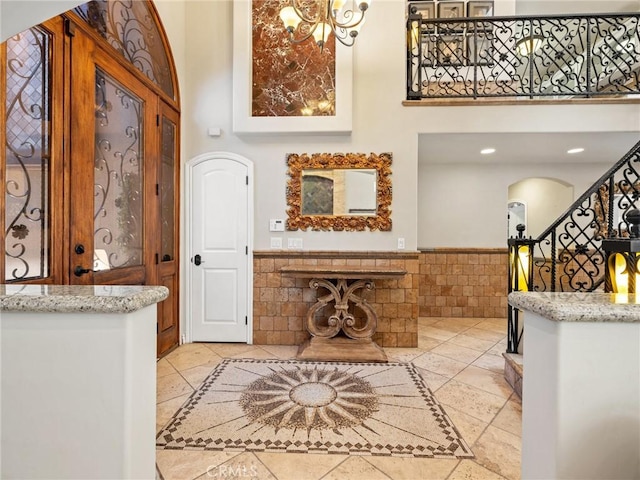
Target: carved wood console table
[(341, 337)]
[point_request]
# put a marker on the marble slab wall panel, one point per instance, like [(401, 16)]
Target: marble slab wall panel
[(289, 79)]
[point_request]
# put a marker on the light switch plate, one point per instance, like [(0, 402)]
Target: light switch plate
[(400, 243)]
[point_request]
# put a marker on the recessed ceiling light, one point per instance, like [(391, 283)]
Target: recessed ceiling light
[(575, 150), (487, 151)]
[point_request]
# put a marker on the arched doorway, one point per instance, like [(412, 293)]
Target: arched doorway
[(219, 235)]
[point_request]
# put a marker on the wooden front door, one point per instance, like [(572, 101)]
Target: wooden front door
[(123, 182), (112, 181), (89, 176)]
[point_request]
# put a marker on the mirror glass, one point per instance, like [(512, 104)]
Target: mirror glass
[(339, 191)]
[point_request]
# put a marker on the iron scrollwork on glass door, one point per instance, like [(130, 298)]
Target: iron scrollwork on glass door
[(27, 148), (118, 175)]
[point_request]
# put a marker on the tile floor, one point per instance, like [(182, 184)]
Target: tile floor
[(459, 358)]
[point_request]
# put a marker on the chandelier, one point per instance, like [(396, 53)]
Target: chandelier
[(318, 18)]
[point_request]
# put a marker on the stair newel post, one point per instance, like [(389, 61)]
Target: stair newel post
[(520, 280)]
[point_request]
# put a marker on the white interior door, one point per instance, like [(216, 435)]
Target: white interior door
[(220, 206)]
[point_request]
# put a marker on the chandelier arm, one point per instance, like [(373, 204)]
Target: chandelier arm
[(346, 25), (302, 16), (344, 30)]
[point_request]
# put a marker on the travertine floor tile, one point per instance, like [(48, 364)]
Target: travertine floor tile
[(491, 362), (191, 355), (300, 467), (427, 343), (245, 465), (434, 381), (227, 350), (450, 326), (469, 427), (472, 342), (510, 417), (196, 375), (439, 364), (485, 334), (468, 321), (163, 367), (470, 470), (426, 321), (499, 451), (172, 386), (285, 352), (457, 352), (402, 354), (472, 401), (166, 409), (409, 468), (437, 333), (256, 352), (187, 465), (355, 468), (498, 349), (487, 380)]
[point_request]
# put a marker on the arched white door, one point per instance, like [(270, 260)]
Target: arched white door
[(220, 231)]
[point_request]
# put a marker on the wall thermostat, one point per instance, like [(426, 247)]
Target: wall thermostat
[(276, 225)]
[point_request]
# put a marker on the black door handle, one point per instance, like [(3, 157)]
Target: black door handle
[(79, 271), (197, 260)]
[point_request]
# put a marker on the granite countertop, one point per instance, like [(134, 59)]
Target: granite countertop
[(79, 298), (342, 271), (579, 307)]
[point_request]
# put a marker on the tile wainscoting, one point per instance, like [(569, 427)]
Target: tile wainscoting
[(442, 282), (280, 303), (470, 282)]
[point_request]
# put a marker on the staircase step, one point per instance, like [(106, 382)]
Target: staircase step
[(513, 371)]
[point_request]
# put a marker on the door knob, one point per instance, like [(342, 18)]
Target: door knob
[(197, 260), (79, 249)]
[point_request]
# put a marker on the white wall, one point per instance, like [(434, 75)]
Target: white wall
[(546, 199), (465, 205)]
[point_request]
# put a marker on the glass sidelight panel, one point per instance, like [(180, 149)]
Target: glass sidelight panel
[(27, 233), (167, 190), (118, 176)]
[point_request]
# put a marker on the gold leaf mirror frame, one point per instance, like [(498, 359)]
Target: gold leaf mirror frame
[(299, 162)]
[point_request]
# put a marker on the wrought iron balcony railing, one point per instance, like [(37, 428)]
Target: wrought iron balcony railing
[(577, 56)]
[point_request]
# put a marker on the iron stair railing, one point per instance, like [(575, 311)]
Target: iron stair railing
[(568, 255), (561, 56)]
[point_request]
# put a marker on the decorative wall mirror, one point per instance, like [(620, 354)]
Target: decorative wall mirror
[(338, 191)]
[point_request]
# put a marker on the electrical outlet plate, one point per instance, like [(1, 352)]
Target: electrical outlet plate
[(294, 243), (276, 242), (400, 243)]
